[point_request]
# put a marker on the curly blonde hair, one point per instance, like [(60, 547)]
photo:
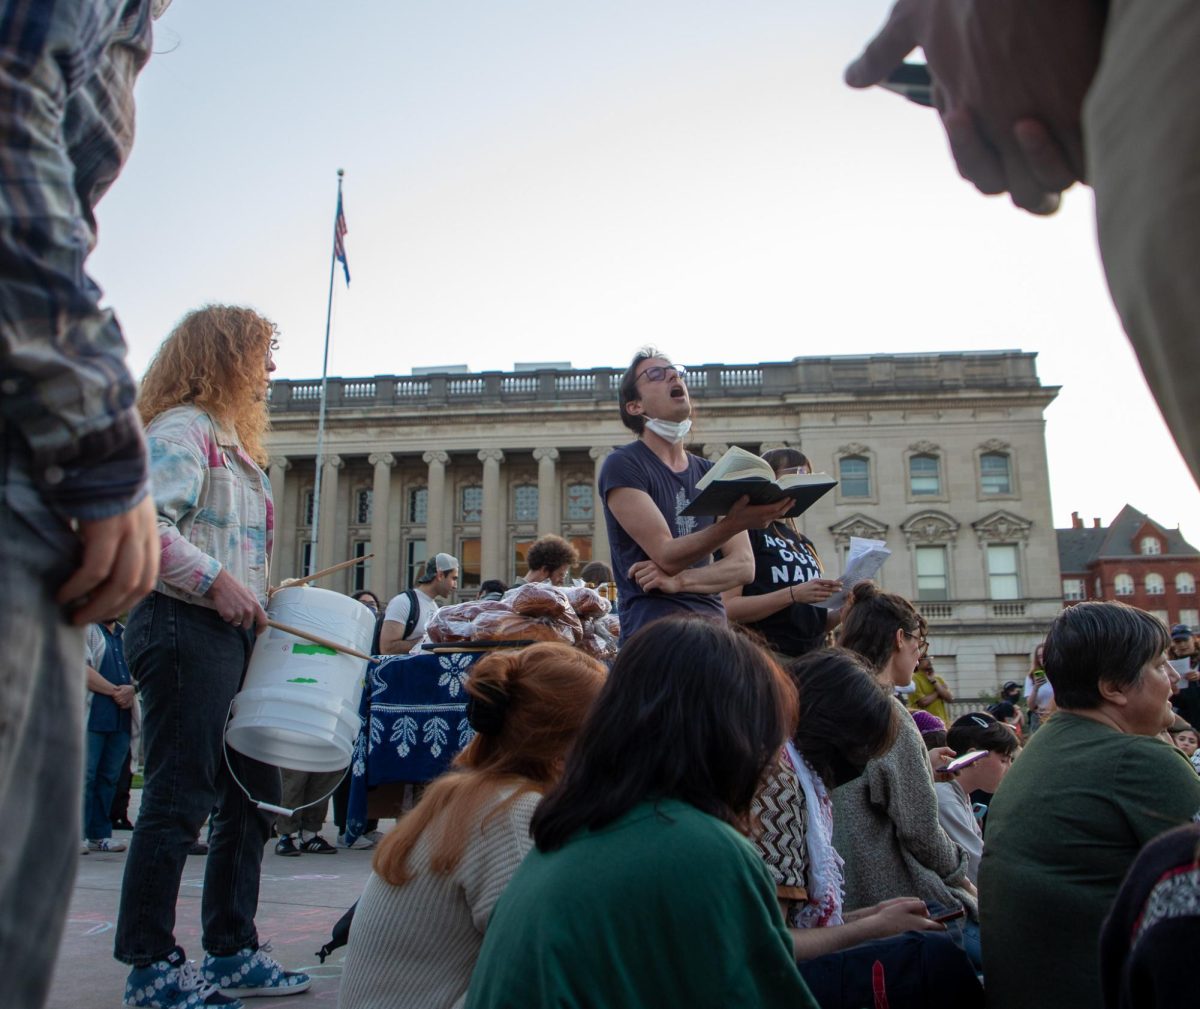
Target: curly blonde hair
[(215, 358)]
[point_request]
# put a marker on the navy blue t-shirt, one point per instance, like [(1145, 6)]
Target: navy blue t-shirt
[(636, 466)]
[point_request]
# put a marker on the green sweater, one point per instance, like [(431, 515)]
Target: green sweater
[(665, 907), (1062, 831)]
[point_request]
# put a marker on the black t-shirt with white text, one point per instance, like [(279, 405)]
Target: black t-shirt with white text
[(783, 557)]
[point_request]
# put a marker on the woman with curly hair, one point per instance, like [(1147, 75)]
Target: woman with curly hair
[(422, 917), (204, 403)]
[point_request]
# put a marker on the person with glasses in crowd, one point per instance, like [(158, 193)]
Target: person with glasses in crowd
[(662, 560), (783, 602), (885, 822)]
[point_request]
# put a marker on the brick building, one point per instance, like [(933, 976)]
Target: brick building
[(1134, 560)]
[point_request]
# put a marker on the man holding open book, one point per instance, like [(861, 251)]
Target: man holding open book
[(663, 559)]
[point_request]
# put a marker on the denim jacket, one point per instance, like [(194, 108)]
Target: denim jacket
[(214, 506)]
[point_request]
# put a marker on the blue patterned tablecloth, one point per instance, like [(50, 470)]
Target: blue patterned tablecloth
[(414, 721)]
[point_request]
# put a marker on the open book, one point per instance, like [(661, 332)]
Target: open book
[(739, 473)]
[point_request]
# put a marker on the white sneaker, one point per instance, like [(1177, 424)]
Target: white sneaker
[(84, 849), (374, 836), (106, 844), (358, 842)]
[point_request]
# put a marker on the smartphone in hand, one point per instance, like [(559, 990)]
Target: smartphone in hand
[(911, 81), (966, 760)]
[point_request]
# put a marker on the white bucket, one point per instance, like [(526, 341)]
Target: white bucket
[(298, 707)]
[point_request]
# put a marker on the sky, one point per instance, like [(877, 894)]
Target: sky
[(539, 180)]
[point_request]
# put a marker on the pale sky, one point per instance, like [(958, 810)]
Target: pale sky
[(539, 180)]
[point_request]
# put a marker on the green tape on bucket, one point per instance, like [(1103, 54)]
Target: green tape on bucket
[(302, 679), (298, 649)]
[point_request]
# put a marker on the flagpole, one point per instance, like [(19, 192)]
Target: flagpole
[(313, 560)]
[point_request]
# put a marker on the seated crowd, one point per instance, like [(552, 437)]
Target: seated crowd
[(712, 822)]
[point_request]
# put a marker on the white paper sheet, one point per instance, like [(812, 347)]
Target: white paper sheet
[(863, 561)]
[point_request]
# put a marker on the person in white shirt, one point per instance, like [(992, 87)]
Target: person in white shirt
[(402, 629)]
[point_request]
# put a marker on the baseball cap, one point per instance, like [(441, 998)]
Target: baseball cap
[(1181, 631), (436, 565)]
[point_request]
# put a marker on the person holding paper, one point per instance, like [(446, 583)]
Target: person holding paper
[(662, 559), (782, 601), (1184, 656)]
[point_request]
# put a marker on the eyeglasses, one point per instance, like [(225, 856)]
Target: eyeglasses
[(923, 642), (657, 373)]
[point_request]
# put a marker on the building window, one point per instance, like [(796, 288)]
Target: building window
[(1190, 617), (308, 509), (520, 555), (1099, 587), (415, 561), (418, 505), (1162, 615), (1185, 584), (361, 572), (1123, 585), (581, 505), (1150, 546), (994, 475), (306, 558), (525, 503), (1155, 586), (854, 476), (1003, 580), (472, 504), (583, 547), (362, 506), (470, 561), (932, 582), (924, 476), (1072, 589)]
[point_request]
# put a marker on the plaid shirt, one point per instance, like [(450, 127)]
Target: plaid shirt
[(67, 69), (214, 506)]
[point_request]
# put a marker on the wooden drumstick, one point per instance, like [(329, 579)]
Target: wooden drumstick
[(289, 583), (317, 640)]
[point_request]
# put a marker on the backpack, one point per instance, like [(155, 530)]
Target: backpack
[(414, 613)]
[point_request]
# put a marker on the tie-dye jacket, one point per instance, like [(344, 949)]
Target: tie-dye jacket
[(214, 506)]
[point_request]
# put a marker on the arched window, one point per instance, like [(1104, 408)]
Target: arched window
[(924, 475), (525, 502), (1155, 586), (418, 506), (580, 502), (994, 473), (1123, 585), (472, 504), (1151, 546), (854, 475), (1185, 583)]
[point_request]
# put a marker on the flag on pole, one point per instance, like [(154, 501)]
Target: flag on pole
[(339, 235)]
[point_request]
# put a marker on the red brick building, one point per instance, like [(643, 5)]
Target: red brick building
[(1134, 560)]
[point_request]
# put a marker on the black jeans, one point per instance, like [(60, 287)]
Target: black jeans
[(188, 664)]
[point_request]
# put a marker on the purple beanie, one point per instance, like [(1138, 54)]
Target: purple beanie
[(927, 722)]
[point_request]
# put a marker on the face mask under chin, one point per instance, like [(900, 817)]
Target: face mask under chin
[(668, 430)]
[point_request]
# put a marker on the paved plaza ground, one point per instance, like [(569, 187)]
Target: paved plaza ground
[(300, 900)]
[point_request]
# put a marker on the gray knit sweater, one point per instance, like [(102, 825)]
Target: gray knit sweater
[(415, 945), (885, 827)]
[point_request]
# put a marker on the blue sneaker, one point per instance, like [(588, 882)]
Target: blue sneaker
[(252, 972), (174, 983)]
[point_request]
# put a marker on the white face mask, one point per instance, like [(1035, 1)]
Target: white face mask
[(669, 430)]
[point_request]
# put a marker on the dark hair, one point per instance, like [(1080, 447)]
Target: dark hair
[(1092, 643), (691, 711), (367, 592), (785, 458), (871, 619), (980, 731), (627, 390), (596, 573), (934, 738), (1002, 711), (550, 553), (845, 719), (492, 586)]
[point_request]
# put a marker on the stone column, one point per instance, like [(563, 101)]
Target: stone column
[(381, 511), (329, 545), (435, 503), (277, 469), (714, 452), (547, 491), (600, 547), (492, 545)]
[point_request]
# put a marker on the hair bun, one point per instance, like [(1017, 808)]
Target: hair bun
[(864, 590), (486, 707)]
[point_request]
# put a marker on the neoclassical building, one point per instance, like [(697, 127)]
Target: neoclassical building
[(941, 455)]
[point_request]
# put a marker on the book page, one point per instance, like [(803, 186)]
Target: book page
[(737, 464)]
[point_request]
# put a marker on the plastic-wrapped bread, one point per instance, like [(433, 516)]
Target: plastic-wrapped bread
[(508, 626), (537, 599), (587, 603)]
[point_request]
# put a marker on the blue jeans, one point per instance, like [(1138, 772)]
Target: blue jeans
[(106, 753), (41, 733), (188, 664)]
